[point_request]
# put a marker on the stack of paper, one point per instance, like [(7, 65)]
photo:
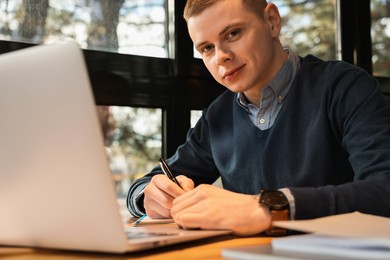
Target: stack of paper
[(353, 235)]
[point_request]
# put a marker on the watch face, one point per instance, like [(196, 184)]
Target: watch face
[(274, 199)]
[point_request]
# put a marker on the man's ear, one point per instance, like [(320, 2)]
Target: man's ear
[(272, 17)]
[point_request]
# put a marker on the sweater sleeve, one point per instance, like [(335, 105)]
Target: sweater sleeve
[(193, 159), (361, 117), (134, 200)]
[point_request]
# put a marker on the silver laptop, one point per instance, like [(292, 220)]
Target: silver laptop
[(55, 185)]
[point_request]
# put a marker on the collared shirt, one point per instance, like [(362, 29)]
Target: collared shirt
[(272, 95), (272, 98)]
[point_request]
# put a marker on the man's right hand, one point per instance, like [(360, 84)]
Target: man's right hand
[(160, 193)]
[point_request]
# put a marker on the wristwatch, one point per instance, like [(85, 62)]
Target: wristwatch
[(277, 204)]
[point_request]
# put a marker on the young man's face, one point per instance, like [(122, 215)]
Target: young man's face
[(237, 47)]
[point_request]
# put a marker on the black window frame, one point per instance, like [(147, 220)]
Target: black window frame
[(180, 85)]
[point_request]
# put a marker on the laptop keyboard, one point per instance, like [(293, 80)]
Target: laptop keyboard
[(134, 235)]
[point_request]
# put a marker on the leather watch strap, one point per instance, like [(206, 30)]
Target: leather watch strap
[(275, 216)]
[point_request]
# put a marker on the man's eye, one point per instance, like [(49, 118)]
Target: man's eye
[(233, 34), (207, 48)]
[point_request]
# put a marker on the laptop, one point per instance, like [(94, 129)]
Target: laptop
[(56, 189)]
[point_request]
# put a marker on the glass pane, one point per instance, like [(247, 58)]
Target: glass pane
[(195, 115), (380, 33), (133, 142), (125, 26), (309, 27)]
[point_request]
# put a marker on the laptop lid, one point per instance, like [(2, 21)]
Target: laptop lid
[(55, 185)]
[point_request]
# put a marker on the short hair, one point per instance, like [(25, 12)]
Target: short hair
[(195, 7)]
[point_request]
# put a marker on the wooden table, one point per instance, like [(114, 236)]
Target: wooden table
[(203, 249)]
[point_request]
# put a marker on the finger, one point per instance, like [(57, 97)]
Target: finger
[(154, 192), (195, 220), (163, 183), (157, 202), (186, 183), (193, 202), (155, 196), (197, 194), (156, 210), (188, 221), (183, 202)]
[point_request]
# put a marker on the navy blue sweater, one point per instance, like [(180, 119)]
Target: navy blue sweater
[(330, 144)]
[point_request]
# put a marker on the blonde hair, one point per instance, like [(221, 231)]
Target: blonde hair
[(195, 7)]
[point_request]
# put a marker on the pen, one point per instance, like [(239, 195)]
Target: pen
[(168, 172), (139, 220)]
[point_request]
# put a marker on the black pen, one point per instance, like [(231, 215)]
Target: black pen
[(168, 172)]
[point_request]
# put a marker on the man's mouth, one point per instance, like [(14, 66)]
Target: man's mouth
[(231, 72)]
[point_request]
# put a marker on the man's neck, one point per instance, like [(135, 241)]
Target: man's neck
[(254, 95)]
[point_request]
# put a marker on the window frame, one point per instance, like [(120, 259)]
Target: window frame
[(182, 84)]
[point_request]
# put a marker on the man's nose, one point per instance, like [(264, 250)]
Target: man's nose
[(223, 55)]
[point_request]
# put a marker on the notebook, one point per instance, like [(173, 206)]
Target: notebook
[(55, 185)]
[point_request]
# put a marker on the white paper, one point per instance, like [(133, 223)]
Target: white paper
[(356, 248), (352, 235), (354, 224)]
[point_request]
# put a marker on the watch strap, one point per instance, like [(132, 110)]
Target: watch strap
[(275, 216)]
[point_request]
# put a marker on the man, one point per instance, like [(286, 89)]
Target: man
[(314, 136)]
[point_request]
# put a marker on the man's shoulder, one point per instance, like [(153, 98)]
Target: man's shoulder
[(334, 78), (221, 108), (333, 73), (224, 100), (313, 63)]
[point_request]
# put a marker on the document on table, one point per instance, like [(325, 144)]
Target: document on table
[(345, 236), (355, 235)]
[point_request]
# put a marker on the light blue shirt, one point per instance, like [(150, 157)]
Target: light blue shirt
[(273, 95)]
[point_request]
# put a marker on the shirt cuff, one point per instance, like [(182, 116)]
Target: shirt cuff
[(291, 201)]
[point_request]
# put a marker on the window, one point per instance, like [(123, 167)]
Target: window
[(133, 135), (308, 27), (195, 116), (380, 33), (123, 26), (132, 138)]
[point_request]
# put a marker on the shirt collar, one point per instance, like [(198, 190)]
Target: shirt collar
[(282, 82)]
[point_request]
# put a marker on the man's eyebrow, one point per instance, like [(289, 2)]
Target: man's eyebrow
[(197, 46), (222, 32), (228, 27)]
